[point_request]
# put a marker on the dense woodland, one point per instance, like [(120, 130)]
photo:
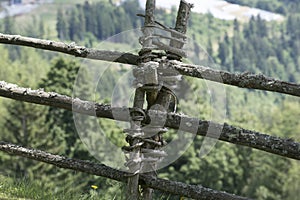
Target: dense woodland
[(256, 46)]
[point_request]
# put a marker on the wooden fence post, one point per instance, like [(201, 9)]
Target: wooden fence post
[(146, 140), (137, 115), (145, 133)]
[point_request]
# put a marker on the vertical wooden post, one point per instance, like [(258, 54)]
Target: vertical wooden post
[(155, 94), (133, 192), (149, 20), (181, 26), (165, 97), (136, 118), (151, 95)]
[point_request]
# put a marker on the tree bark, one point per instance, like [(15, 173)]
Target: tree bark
[(71, 49), (176, 188), (133, 192), (183, 15), (242, 80), (285, 147), (272, 144)]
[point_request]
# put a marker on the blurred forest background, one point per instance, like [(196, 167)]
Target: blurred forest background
[(256, 46)]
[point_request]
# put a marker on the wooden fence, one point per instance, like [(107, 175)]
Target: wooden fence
[(173, 51)]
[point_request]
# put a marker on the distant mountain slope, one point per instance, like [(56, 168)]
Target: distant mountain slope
[(278, 6), (9, 9), (222, 9)]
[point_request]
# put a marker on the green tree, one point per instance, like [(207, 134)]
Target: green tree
[(24, 126), (74, 25), (60, 124), (210, 50), (262, 29), (237, 54), (60, 79), (88, 15), (223, 53), (41, 28), (61, 25), (131, 7), (9, 25)]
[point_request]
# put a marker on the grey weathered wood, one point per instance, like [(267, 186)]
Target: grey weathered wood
[(145, 57), (181, 24), (54, 99), (272, 144), (242, 80), (177, 188), (286, 147), (133, 192), (183, 16), (71, 49)]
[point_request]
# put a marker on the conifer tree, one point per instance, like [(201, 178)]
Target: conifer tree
[(60, 124), (61, 25)]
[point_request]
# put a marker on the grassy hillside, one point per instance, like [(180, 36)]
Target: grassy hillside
[(24, 189)]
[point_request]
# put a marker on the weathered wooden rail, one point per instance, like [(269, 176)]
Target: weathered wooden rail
[(272, 144), (242, 80)]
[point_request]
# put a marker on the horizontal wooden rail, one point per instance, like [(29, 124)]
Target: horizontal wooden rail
[(61, 161), (71, 49), (272, 144), (242, 80), (173, 187)]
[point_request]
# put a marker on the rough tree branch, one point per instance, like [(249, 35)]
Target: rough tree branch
[(173, 187), (71, 49), (242, 80), (272, 144)]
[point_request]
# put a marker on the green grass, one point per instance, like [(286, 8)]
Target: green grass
[(23, 189)]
